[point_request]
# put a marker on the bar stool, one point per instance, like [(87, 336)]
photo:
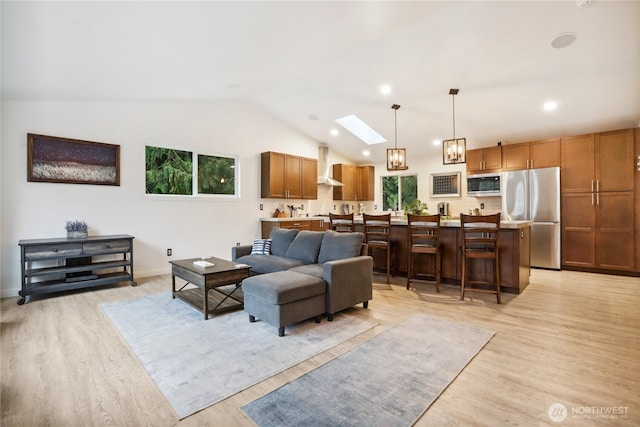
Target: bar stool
[(341, 223), (377, 234), (424, 238), (480, 241)]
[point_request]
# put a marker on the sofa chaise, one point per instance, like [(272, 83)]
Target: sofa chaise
[(298, 275)]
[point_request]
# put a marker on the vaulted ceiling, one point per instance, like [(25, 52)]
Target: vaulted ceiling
[(309, 63)]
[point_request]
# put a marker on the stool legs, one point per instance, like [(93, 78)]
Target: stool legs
[(437, 273)]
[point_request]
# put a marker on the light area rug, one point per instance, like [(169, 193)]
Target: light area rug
[(390, 380), (196, 363)]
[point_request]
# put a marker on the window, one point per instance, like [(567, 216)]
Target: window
[(216, 175), (398, 190), (173, 172)]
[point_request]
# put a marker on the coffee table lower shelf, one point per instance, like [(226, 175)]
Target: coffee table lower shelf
[(221, 299)]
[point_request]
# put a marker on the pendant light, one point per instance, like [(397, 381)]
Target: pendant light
[(454, 150), (396, 157)]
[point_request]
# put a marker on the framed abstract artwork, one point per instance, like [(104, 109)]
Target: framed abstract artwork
[(65, 160)]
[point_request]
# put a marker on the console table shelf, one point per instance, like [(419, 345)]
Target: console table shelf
[(80, 263)]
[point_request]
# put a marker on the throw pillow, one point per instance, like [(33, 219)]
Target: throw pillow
[(340, 245), (306, 246), (261, 247)]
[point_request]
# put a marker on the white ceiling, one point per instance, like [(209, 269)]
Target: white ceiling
[(328, 59)]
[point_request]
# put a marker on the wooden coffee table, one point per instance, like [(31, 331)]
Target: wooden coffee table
[(223, 278)]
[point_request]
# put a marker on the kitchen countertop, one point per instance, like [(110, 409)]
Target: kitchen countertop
[(401, 221)]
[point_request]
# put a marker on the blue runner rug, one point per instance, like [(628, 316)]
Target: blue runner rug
[(390, 380)]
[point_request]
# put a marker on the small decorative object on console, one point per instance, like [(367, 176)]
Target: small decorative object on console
[(76, 229)]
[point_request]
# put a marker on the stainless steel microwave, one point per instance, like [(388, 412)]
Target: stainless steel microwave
[(486, 184)]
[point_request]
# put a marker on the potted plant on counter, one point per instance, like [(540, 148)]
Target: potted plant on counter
[(76, 229), (416, 208)]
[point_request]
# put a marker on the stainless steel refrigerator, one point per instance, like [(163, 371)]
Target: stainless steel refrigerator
[(534, 195)]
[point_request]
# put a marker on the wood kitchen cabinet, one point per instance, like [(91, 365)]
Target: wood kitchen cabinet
[(597, 174), (309, 178), (531, 155), (483, 160), (357, 182), (598, 162), (293, 223), (284, 176)]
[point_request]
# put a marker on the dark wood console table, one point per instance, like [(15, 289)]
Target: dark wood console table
[(61, 264)]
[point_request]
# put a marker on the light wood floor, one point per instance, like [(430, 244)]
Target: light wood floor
[(570, 338)]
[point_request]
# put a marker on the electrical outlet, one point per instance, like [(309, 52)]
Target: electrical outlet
[(334, 207), (261, 206), (481, 205), (169, 252)]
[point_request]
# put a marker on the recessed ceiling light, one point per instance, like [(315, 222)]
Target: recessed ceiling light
[(550, 106), (312, 117), (360, 129), (563, 40), (366, 153), (334, 132), (385, 89), (437, 142)]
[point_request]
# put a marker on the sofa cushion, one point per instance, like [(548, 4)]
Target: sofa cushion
[(281, 238), (316, 270), (261, 264), (283, 287), (337, 245), (261, 247), (306, 246)]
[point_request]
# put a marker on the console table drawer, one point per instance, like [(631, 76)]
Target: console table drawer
[(112, 246), (41, 252)]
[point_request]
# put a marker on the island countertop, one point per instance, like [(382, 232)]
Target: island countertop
[(508, 225)]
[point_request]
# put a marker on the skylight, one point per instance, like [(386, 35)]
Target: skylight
[(360, 129)]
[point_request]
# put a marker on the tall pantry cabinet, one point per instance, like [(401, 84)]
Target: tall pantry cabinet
[(597, 191)]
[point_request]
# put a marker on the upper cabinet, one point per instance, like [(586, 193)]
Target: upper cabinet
[(357, 182), (284, 176), (309, 177), (598, 162), (483, 160), (530, 155)]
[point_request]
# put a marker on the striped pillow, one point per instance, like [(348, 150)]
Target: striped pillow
[(261, 247)]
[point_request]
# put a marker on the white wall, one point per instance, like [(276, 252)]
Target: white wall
[(189, 227)]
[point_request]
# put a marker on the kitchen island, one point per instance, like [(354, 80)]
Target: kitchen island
[(513, 245)]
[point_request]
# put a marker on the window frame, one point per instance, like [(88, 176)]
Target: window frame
[(399, 178), (195, 193)]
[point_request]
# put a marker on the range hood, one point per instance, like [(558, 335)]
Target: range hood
[(323, 168)]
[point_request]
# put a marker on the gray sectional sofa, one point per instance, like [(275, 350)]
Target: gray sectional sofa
[(326, 272)]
